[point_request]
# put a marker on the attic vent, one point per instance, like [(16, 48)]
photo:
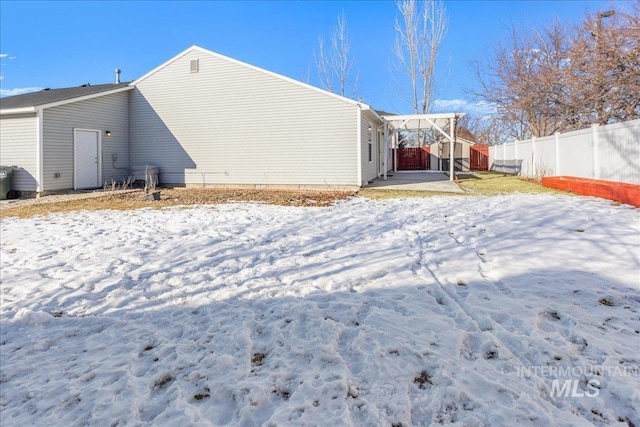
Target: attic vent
[(195, 65)]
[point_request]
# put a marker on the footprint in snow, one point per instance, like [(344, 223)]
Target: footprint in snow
[(161, 381)]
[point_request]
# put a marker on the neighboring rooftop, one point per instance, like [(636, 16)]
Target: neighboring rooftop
[(384, 113), (48, 96)]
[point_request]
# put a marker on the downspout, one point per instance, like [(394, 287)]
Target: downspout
[(40, 152), (386, 149), (378, 152), (359, 141)]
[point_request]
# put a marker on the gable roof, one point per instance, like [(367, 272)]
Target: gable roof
[(253, 67), (47, 97)]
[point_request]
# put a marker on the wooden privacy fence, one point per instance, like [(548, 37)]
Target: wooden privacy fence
[(479, 157), (610, 152), (413, 158)]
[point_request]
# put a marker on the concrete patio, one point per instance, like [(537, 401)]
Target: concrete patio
[(416, 181)]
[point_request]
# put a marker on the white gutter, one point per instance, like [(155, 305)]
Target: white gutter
[(23, 110)]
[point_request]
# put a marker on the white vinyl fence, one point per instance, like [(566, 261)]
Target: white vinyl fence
[(610, 152)]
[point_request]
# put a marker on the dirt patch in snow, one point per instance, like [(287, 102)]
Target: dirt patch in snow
[(126, 200)]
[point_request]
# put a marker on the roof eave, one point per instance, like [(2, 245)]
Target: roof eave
[(375, 113), (12, 111), (34, 108), (402, 117), (84, 98)]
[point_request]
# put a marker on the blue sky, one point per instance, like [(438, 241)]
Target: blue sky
[(61, 44)]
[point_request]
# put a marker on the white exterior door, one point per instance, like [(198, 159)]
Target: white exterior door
[(86, 158)]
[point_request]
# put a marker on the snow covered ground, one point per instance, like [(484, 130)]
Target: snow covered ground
[(510, 310)]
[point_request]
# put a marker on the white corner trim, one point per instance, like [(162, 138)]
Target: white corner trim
[(359, 142), (40, 150)]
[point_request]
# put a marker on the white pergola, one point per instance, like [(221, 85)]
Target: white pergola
[(415, 122)]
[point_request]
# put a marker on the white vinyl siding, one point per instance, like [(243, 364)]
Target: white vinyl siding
[(232, 124), (369, 168), (19, 147), (109, 112)]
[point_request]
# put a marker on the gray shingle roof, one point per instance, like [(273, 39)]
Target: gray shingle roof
[(48, 96), (384, 113)]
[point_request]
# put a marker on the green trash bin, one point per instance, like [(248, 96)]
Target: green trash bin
[(6, 173)]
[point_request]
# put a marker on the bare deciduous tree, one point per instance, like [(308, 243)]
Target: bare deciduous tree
[(306, 75), (605, 68), (565, 78), (524, 80), (483, 129), (335, 67), (419, 34), (322, 62)]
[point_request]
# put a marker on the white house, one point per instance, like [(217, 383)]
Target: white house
[(202, 119)]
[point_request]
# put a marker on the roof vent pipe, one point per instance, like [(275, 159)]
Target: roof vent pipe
[(117, 75)]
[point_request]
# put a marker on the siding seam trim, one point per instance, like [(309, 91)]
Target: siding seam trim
[(40, 150), (359, 142)]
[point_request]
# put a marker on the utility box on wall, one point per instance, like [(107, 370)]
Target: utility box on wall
[(6, 174)]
